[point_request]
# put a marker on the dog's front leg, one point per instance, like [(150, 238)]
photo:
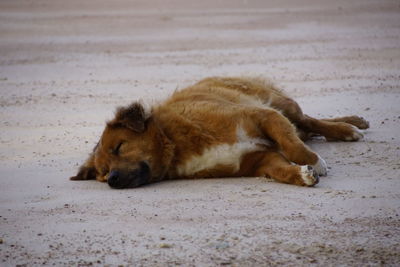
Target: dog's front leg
[(272, 163), (277, 127)]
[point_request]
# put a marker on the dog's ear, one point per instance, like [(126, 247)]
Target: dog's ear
[(87, 171), (132, 117), (84, 173)]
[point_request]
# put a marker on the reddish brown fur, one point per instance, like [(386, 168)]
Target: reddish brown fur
[(206, 118)]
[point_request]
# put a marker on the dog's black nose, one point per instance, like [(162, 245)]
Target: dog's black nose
[(120, 178), (113, 178)]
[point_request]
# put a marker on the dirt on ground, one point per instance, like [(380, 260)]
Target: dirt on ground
[(66, 65)]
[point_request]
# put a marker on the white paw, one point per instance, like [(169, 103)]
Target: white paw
[(321, 167), (308, 175), (357, 135)]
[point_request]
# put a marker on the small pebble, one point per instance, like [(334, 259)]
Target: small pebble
[(165, 245)]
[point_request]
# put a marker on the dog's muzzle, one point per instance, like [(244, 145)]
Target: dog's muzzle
[(129, 179)]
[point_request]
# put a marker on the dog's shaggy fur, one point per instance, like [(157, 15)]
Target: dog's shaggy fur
[(219, 127)]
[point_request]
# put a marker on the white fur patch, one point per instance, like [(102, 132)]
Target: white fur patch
[(223, 154), (307, 175), (357, 135), (321, 167)]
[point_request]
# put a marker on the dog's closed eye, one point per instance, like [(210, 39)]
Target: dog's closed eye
[(116, 150)]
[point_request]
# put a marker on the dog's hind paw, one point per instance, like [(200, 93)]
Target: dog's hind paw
[(356, 135), (358, 121)]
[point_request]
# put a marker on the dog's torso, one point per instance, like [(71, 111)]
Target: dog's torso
[(210, 128)]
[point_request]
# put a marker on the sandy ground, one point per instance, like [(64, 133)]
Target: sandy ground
[(65, 66)]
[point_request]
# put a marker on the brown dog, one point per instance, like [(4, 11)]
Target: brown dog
[(219, 127)]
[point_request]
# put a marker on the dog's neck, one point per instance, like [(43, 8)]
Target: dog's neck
[(167, 152)]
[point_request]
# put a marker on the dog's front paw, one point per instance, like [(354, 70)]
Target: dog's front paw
[(321, 167), (308, 175)]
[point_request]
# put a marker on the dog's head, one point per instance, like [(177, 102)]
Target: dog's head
[(132, 149)]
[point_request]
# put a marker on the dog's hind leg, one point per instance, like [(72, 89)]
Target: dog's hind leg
[(357, 121), (343, 128), (332, 129)]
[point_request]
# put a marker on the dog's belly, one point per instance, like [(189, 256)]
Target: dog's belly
[(228, 155)]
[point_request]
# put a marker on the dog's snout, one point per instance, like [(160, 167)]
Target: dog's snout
[(113, 178), (120, 178)]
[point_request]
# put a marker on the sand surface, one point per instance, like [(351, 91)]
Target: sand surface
[(66, 65)]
